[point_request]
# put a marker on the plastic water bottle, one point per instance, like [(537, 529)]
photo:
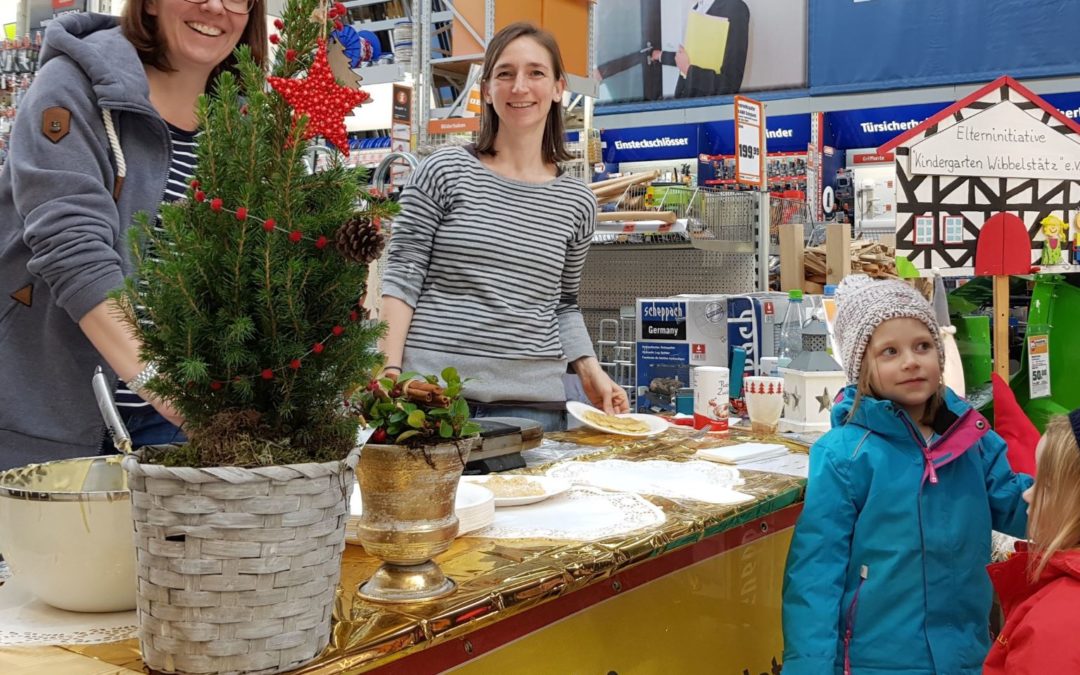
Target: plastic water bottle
[(791, 329), (828, 313)]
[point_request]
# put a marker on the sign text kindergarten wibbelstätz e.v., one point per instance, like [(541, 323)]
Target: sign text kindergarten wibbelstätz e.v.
[(1002, 141)]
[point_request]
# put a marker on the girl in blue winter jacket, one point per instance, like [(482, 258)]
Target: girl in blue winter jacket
[(887, 569)]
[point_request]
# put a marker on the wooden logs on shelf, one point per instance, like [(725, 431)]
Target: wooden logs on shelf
[(814, 267), (867, 257)]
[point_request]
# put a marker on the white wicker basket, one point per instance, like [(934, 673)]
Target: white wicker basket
[(237, 568)]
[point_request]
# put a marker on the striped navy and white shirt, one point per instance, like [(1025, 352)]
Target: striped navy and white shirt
[(181, 170), (491, 267)]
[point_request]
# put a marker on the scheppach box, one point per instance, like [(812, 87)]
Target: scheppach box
[(677, 333)]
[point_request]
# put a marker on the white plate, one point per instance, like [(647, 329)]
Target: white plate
[(552, 487), (656, 424)]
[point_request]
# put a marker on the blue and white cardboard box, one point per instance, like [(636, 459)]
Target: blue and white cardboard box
[(674, 334), (678, 333)]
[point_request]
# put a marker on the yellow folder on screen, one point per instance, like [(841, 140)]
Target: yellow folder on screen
[(706, 40)]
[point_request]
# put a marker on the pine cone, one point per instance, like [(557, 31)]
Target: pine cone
[(360, 240)]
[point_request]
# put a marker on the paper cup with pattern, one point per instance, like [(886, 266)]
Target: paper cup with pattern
[(764, 398), (711, 397)]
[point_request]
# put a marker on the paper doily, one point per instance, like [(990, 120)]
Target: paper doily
[(701, 481), (579, 514), (25, 620)]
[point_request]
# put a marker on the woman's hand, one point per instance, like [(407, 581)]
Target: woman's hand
[(165, 409), (392, 372), (602, 391)]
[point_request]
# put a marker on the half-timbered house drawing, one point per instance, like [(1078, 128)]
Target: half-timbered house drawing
[(1003, 149)]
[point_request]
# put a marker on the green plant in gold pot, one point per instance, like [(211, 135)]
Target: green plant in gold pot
[(409, 472)]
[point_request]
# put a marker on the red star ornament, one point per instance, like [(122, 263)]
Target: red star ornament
[(322, 99)]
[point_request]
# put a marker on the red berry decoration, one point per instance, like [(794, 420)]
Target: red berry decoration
[(354, 315), (338, 25), (379, 436), (295, 236), (267, 374), (321, 242), (290, 55), (195, 184), (200, 196), (215, 204), (275, 38), (340, 9), (337, 331), (215, 385), (295, 364), (279, 24), (269, 224), (241, 213), (318, 347)]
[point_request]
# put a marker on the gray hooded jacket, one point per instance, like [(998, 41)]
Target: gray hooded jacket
[(63, 236)]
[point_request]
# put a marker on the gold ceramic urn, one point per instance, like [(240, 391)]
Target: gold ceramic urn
[(408, 518)]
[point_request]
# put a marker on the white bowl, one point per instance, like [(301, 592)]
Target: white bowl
[(66, 533)]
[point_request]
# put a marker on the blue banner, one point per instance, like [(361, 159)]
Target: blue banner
[(784, 133), (646, 144), (861, 45), (873, 127)]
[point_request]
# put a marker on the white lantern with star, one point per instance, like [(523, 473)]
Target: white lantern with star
[(811, 382)]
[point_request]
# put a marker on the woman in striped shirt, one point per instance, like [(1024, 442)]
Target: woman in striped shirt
[(486, 256)]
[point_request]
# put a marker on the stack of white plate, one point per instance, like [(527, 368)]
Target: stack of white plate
[(403, 41), (475, 509)]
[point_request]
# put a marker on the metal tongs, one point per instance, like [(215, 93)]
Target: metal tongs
[(103, 392)]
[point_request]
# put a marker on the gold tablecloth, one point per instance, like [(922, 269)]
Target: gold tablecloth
[(500, 578)]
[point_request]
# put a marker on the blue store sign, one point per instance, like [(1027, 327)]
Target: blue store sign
[(873, 127), (646, 144), (784, 133)]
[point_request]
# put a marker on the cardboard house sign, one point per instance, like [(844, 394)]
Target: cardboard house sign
[(1001, 151), (1003, 141)]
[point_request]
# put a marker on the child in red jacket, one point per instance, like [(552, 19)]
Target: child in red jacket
[(1039, 587)]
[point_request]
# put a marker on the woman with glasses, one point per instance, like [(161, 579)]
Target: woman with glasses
[(107, 130)]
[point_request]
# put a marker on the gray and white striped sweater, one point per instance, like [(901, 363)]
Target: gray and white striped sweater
[(492, 268)]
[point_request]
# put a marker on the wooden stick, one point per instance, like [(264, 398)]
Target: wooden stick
[(634, 177), (1001, 325), (619, 185), (608, 216)]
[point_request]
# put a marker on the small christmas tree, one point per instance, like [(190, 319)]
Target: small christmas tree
[(249, 295)]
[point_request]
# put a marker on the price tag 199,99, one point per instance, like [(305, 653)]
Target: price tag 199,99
[(749, 142)]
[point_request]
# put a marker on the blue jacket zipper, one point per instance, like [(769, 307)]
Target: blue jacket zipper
[(921, 442), (849, 632)]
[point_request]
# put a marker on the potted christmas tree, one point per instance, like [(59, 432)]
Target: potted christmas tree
[(409, 474), (247, 299)]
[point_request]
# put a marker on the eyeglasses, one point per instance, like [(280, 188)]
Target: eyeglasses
[(234, 6)]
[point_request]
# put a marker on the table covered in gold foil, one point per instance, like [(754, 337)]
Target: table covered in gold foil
[(499, 579)]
